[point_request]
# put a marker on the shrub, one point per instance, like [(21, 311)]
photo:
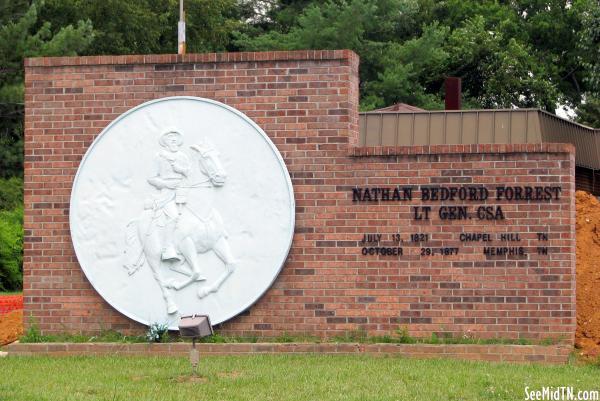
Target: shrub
[(33, 334), (11, 193), (404, 337), (157, 333), (11, 233), (11, 249)]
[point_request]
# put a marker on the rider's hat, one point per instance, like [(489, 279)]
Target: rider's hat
[(168, 133)]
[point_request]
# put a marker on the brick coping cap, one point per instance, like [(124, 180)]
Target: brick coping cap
[(361, 151), (193, 58), (490, 352), (294, 344)]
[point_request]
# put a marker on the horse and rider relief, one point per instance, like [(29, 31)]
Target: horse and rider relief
[(170, 234), (164, 225)]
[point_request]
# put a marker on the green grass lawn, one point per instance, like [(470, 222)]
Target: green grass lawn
[(279, 378)]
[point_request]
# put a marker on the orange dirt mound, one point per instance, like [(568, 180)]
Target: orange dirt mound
[(11, 327), (588, 274)]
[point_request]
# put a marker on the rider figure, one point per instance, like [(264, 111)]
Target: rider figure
[(173, 167)]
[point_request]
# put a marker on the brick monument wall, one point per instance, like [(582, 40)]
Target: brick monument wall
[(307, 102)]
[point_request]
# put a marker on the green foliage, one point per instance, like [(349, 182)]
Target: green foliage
[(33, 334), (498, 72), (369, 27), (214, 339), (148, 26), (11, 193), (411, 69), (11, 234), (285, 338), (588, 113), (11, 149), (11, 249), (589, 43), (353, 336), (22, 34), (220, 339), (319, 27), (404, 337), (157, 333), (509, 54)]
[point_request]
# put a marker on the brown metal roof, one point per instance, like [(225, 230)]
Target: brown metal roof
[(398, 107), (479, 126)]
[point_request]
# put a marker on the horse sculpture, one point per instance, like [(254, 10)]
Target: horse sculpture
[(194, 234)]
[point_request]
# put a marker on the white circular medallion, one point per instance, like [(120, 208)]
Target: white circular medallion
[(182, 205)]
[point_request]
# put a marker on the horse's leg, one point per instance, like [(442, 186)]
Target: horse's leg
[(171, 306), (149, 241), (221, 248), (188, 249)]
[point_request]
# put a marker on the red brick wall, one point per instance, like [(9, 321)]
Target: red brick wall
[(307, 102)]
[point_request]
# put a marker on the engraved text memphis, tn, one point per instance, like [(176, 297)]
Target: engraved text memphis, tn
[(169, 234)]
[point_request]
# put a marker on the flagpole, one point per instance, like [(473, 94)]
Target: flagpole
[(181, 30)]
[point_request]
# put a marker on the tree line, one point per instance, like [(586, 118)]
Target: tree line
[(509, 53)]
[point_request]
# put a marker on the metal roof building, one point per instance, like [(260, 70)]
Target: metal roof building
[(405, 128)]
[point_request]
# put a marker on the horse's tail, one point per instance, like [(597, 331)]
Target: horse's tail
[(134, 252)]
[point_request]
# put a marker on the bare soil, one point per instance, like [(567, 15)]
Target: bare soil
[(11, 326), (587, 337)]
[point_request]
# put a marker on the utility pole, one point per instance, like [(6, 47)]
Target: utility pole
[(181, 30)]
